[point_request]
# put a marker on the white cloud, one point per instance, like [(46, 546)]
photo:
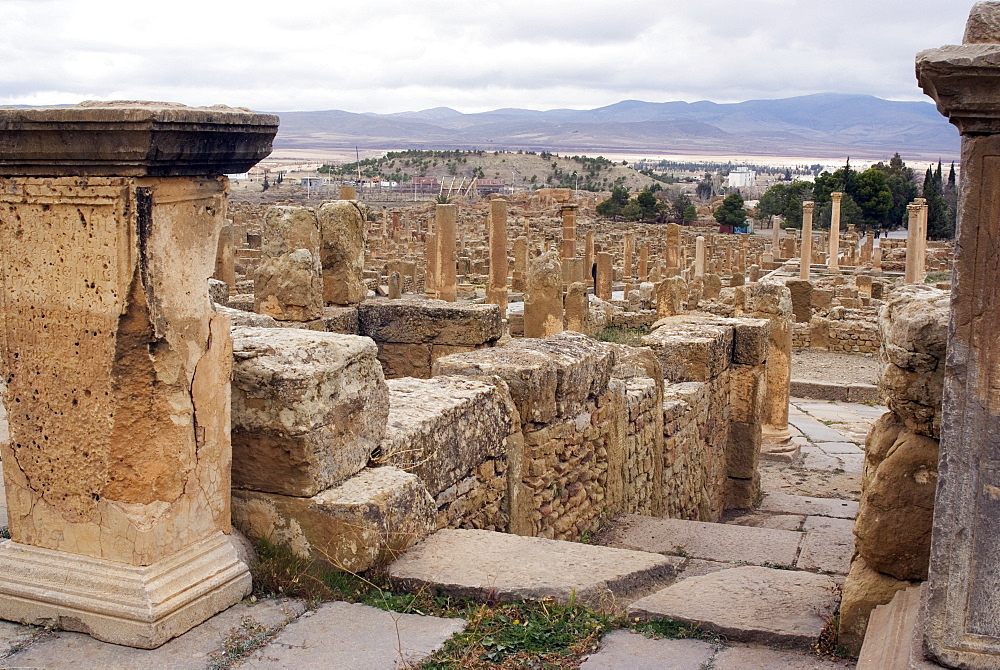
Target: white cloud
[(396, 55)]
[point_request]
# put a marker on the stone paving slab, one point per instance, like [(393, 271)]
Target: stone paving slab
[(757, 658), (785, 503), (14, 636), (350, 636), (783, 608), (766, 520), (827, 546), (479, 564), (696, 567), (814, 430), (622, 649), (711, 541), (839, 448), (195, 649), (813, 458)]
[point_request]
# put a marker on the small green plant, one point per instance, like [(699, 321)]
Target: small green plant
[(681, 551), (776, 566), (673, 629), (442, 199), (935, 277), (5, 533), (278, 571), (241, 641), (629, 336)]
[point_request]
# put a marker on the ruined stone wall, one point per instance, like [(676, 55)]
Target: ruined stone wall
[(893, 527), (572, 423), (712, 430), (411, 333), (455, 434)]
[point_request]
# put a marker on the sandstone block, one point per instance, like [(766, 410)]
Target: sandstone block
[(531, 376), (405, 360), (801, 294), (288, 287), (238, 317), (897, 508), (343, 320), (418, 321), (342, 252), (583, 366), (689, 350), (750, 341), (443, 428), (367, 520), (864, 590), (308, 409)]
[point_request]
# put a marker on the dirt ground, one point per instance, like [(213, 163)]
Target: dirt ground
[(799, 481), (833, 367)]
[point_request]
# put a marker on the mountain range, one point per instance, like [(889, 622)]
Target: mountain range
[(821, 125)]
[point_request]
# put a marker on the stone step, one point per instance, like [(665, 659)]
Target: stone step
[(483, 564), (778, 608), (349, 636), (893, 640)]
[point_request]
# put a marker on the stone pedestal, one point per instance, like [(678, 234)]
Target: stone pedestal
[(699, 256), (445, 223), (914, 258), (605, 276), (569, 231), (118, 467), (963, 590), (543, 303), (518, 279)]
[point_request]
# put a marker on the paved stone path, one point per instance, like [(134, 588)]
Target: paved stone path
[(831, 434)]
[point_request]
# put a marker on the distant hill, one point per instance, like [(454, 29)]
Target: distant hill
[(821, 125)]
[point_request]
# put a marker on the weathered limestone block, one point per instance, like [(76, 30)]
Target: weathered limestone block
[(366, 521), (419, 321), (670, 295), (342, 252), (288, 283), (751, 340), (218, 291), (801, 293), (308, 409), (454, 434), (864, 590), (543, 302), (893, 529), (530, 375), (583, 366), (913, 329), (343, 320), (238, 317), (690, 349)]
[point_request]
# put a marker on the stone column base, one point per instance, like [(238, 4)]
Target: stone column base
[(123, 604), (777, 444)]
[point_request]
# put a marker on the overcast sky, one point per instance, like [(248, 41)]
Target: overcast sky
[(395, 55)]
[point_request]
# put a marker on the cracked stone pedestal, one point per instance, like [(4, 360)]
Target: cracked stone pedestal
[(117, 470), (962, 626)]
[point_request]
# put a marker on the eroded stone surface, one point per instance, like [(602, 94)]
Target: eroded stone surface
[(342, 252), (308, 409), (789, 504), (288, 284), (479, 564), (749, 604), (366, 520), (622, 649)]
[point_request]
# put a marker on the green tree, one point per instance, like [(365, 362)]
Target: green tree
[(731, 212), (614, 205), (689, 214), (648, 204), (940, 223), (872, 194), (705, 190), (632, 211)]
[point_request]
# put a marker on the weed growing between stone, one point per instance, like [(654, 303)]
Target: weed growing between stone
[(278, 571), (629, 336)]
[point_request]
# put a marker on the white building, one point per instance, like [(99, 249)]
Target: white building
[(742, 178)]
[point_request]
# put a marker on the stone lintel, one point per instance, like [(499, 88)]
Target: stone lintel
[(132, 139), (135, 606)]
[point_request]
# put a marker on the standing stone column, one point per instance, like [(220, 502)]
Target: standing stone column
[(805, 256), (962, 627), (589, 257), (699, 256), (628, 255), (833, 261), (342, 252), (604, 275), (543, 302), (569, 231), (518, 279), (288, 283), (673, 249), (445, 222), (432, 266), (914, 263), (773, 301), (644, 263), (348, 193), (496, 290), (225, 257), (118, 465), (776, 241)]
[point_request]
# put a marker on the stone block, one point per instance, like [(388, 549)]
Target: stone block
[(864, 590), (747, 385), (419, 321), (530, 375), (801, 291), (405, 360), (441, 429), (342, 252), (481, 564), (742, 493), (238, 317), (782, 608), (289, 287), (343, 320), (308, 408), (689, 350), (897, 508), (366, 521), (750, 341), (583, 366), (743, 450)]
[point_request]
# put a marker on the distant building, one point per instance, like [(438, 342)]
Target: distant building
[(425, 185), (311, 182), (742, 178), (490, 185)]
